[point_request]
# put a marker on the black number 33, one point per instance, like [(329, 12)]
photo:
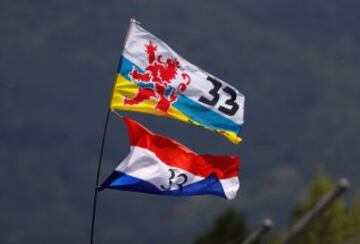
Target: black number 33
[(234, 107), (172, 181)]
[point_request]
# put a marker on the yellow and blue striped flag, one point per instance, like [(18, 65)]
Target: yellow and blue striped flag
[(154, 79)]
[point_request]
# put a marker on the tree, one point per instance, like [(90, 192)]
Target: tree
[(352, 223), (336, 225), (228, 227), (329, 227)]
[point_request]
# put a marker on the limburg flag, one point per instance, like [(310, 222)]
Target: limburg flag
[(160, 165), (154, 79)]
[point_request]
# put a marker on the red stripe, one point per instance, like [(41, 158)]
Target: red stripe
[(177, 155)]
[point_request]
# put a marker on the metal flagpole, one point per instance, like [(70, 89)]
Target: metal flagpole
[(132, 20), (97, 177), (317, 210), (258, 233)]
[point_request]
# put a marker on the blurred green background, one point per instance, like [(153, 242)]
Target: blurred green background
[(297, 62)]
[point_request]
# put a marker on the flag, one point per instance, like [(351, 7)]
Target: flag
[(154, 79), (160, 165)]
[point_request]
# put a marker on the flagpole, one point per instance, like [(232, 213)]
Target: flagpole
[(98, 176), (132, 20)]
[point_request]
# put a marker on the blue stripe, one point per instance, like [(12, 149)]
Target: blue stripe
[(125, 67), (205, 116), (195, 111), (121, 181)]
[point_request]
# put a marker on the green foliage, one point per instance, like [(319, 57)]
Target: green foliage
[(336, 225), (352, 220), (229, 227), (329, 227), (276, 237)]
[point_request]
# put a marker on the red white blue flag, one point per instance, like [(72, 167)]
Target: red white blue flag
[(160, 165)]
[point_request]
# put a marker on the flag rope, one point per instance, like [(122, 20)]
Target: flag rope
[(117, 114)]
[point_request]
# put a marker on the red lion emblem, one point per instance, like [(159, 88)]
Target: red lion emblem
[(160, 74)]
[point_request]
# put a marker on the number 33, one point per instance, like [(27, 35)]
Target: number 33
[(214, 92)]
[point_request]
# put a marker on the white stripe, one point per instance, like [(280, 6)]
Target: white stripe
[(199, 86), (144, 164), (230, 186)]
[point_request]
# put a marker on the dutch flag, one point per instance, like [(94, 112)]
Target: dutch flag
[(160, 165)]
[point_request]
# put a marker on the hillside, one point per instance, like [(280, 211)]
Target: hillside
[(297, 65)]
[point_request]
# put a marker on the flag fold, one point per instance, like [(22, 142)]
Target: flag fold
[(160, 165)]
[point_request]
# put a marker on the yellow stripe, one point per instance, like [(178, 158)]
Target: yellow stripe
[(125, 88)]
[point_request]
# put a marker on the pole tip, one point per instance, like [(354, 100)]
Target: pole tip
[(268, 223), (344, 183), (133, 20)]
